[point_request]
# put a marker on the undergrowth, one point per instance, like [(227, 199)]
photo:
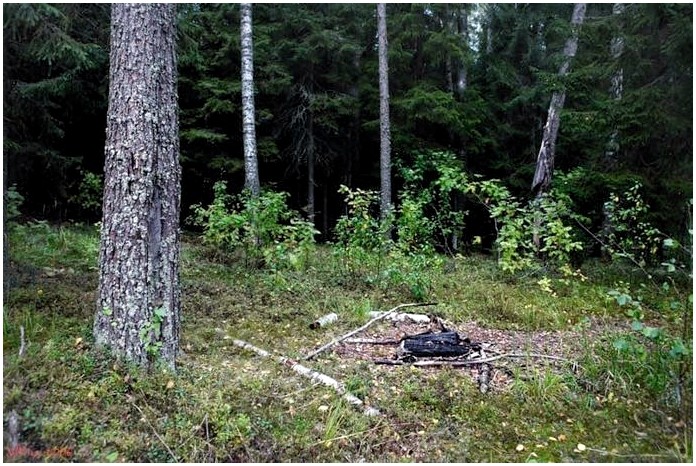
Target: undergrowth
[(76, 404)]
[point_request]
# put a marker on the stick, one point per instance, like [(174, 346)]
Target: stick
[(400, 317), (169, 450), (371, 341), (22, 343), (350, 334), (313, 375), (471, 362)]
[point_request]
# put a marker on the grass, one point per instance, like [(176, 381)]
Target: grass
[(224, 404)]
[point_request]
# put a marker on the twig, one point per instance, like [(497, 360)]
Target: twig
[(371, 341), (358, 330), (156, 434), (400, 317), (311, 374), (471, 362), (22, 343), (632, 455)]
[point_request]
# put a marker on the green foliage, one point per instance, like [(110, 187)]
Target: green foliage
[(656, 357), (525, 233), (433, 181), (89, 193), (151, 333), (12, 201), (626, 232), (262, 228), (365, 250)]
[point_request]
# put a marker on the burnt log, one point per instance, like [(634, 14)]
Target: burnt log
[(443, 344)]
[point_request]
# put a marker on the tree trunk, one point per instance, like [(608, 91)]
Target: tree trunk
[(462, 72), (545, 159), (138, 311), (384, 124), (311, 162), (615, 91), (251, 171)]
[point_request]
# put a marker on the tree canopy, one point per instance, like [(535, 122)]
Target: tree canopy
[(322, 60)]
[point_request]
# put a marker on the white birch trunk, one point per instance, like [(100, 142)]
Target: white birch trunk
[(615, 91), (251, 172), (545, 159), (384, 123)]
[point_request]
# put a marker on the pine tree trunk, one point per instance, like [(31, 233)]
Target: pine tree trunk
[(545, 159), (138, 311), (384, 123), (251, 172)]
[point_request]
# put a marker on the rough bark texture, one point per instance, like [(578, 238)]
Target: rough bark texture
[(384, 123), (139, 255), (545, 159), (251, 171)]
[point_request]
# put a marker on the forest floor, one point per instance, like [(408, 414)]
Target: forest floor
[(228, 404)]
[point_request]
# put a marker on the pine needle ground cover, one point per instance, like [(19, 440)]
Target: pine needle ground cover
[(621, 401)]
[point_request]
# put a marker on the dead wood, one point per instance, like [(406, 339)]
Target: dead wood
[(358, 330), (313, 375), (22, 343), (484, 378), (323, 321), (12, 433), (402, 316), (470, 362), (371, 341)]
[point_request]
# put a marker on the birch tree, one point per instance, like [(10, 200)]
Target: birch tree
[(547, 151), (251, 172), (138, 307), (615, 90), (384, 123)]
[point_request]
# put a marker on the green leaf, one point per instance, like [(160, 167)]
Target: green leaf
[(668, 243), (637, 325), (107, 311), (160, 312), (651, 332), (112, 457), (678, 349), (621, 345)]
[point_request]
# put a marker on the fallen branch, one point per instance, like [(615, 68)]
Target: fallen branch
[(402, 316), (154, 431), (358, 330), (470, 362), (324, 321), (311, 374), (22, 343), (371, 341)]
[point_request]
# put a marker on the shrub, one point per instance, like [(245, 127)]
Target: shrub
[(262, 228)]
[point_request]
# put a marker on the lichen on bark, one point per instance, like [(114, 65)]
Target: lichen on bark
[(139, 255)]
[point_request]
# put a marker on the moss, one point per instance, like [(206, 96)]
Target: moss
[(228, 405)]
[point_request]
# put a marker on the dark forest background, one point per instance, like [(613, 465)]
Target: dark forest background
[(321, 60)]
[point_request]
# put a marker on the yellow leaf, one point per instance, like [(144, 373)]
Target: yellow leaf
[(519, 447), (170, 385), (562, 438), (581, 447)]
